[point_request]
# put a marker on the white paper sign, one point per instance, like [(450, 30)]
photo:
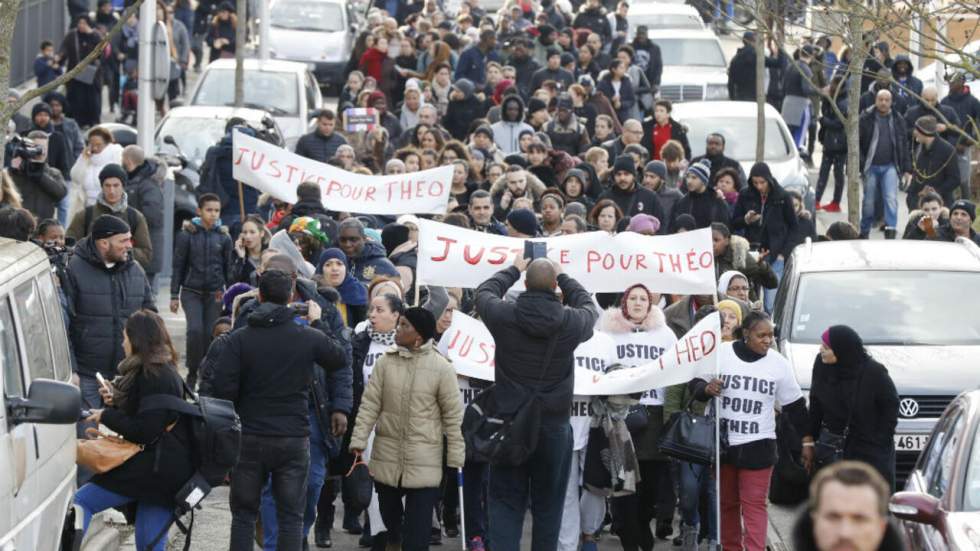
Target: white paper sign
[(278, 172), (469, 346), (682, 264)]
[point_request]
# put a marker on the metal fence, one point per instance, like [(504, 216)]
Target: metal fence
[(37, 21)]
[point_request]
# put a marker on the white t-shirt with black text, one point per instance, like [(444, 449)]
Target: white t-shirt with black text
[(371, 359), (750, 394), (636, 349), (595, 354)]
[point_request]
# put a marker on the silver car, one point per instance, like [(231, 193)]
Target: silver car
[(915, 305), (320, 33)]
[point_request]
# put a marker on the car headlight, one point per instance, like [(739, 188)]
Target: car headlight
[(716, 92)]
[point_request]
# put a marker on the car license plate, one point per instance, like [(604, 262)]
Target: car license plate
[(910, 442)]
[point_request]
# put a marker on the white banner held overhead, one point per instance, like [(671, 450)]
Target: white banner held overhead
[(469, 346), (683, 263), (278, 172)]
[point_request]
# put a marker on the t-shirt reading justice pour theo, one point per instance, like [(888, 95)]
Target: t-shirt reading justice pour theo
[(375, 351), (636, 349), (595, 354), (750, 394)]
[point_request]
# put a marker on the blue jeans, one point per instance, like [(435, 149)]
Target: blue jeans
[(544, 476), (317, 474), (729, 10), (769, 295), (63, 205), (693, 480), (151, 518), (885, 176)]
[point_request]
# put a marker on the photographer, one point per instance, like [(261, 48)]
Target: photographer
[(40, 186)]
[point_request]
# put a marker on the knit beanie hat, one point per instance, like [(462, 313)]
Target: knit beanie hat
[(113, 170), (657, 167), (330, 254), (524, 221), (536, 105), (684, 222), (393, 235), (926, 124), (108, 225), (701, 169), (624, 163), (40, 107), (422, 320), (966, 206), (644, 224)]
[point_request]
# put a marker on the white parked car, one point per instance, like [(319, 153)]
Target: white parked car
[(928, 74), (736, 121), (663, 15), (195, 128), (695, 67), (320, 33), (41, 406), (285, 89)]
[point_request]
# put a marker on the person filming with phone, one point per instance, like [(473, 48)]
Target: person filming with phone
[(536, 337)]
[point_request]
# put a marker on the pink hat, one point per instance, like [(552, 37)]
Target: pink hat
[(826, 338)]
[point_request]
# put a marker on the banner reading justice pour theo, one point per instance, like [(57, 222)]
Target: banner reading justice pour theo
[(470, 347), (278, 172), (683, 263)]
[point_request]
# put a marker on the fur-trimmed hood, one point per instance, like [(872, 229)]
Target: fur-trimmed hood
[(739, 247), (190, 226), (534, 185), (614, 322)]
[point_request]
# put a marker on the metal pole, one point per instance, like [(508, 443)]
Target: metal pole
[(240, 37), (146, 106), (462, 508), (264, 30), (714, 404)]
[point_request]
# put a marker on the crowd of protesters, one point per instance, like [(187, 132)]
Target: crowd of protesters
[(543, 115)]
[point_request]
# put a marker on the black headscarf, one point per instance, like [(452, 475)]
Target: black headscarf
[(847, 346)]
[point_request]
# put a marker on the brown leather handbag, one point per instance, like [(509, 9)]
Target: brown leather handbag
[(101, 453)]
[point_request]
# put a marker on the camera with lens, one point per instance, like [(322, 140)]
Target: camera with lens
[(25, 148)]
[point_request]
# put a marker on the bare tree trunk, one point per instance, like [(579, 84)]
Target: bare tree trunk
[(8, 19), (760, 87), (240, 37), (854, 69)]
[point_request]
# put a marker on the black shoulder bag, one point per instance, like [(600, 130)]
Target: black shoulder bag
[(504, 439), (690, 437), (830, 445)]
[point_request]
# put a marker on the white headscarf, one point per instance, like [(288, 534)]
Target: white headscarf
[(726, 279)]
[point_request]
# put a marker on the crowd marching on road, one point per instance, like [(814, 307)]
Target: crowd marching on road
[(516, 184)]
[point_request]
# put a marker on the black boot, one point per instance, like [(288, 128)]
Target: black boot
[(890, 233), (351, 523), (321, 533)]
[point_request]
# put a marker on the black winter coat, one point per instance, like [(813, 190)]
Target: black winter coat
[(934, 166), (267, 370), (318, 147), (460, 114), (968, 109), (866, 130), (704, 207), (677, 132), (522, 330), (944, 115), (640, 200), (144, 191), (40, 190), (778, 221), (741, 73), (99, 301), (159, 471), (596, 21), (202, 260), (869, 390)]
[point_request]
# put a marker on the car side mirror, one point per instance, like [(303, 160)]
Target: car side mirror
[(916, 507), (48, 402), (169, 140)]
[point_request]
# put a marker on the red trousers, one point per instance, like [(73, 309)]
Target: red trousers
[(744, 519)]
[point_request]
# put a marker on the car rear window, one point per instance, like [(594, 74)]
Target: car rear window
[(894, 307)]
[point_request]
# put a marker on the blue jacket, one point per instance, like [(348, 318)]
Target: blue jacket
[(370, 263), (217, 178), (472, 64)]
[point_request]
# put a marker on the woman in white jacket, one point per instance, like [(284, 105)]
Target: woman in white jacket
[(99, 151)]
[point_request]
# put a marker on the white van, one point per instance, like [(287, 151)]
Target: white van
[(37, 422)]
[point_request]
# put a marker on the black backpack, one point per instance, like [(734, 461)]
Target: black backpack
[(216, 441), (215, 428)]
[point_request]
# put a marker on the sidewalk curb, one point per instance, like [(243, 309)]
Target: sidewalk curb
[(101, 536)]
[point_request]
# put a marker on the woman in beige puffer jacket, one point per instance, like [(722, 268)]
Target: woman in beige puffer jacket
[(411, 401)]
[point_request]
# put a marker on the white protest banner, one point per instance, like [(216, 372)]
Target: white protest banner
[(470, 347), (683, 263), (278, 172)]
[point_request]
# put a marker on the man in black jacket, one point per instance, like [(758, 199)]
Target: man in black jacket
[(321, 144), (946, 116), (741, 70), (631, 198), (535, 328), (934, 166), (144, 191), (714, 151), (884, 156), (267, 369)]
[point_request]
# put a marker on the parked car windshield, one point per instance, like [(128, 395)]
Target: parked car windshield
[(313, 16), (664, 21), (691, 51), (193, 135), (275, 92), (894, 307), (739, 133)]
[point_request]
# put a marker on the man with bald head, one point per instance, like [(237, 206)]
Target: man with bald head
[(536, 336), (946, 116), (632, 134), (885, 155)]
